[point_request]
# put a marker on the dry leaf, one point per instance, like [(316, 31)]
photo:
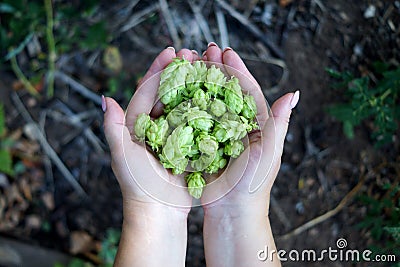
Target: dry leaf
[(80, 242), (48, 200), (33, 222), (25, 188)]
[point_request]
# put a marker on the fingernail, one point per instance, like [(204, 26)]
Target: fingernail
[(227, 49), (204, 53), (295, 99), (103, 103), (195, 52), (212, 44), (171, 48)]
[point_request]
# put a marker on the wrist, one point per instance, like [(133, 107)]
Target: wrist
[(151, 228), (248, 209), (135, 212)]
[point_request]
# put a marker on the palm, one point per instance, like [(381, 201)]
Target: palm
[(249, 178), (149, 180)]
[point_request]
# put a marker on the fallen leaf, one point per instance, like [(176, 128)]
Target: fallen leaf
[(25, 188), (48, 200), (33, 222), (80, 242)]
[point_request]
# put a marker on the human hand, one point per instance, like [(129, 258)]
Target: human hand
[(155, 202), (246, 183), (236, 224), (141, 176)]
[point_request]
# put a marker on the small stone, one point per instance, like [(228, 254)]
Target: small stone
[(370, 12)]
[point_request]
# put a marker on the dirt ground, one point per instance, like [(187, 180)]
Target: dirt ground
[(319, 166)]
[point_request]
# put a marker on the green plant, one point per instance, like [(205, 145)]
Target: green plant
[(366, 100), (107, 253), (6, 163), (109, 247), (383, 218), (61, 28)]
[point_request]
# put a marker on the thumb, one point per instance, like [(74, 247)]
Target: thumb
[(114, 126), (273, 134), (277, 126)]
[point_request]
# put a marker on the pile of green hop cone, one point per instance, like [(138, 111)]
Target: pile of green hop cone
[(205, 118)]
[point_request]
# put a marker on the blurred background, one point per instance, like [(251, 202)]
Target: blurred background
[(60, 204)]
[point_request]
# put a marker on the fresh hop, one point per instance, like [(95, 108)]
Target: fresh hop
[(205, 118)]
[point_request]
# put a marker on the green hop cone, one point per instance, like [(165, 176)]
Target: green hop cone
[(229, 130), (196, 183), (195, 78), (141, 125), (199, 119), (217, 107), (200, 99), (233, 95), (172, 82), (176, 149), (177, 116), (215, 80), (249, 110), (234, 148), (207, 145), (157, 133), (218, 163)]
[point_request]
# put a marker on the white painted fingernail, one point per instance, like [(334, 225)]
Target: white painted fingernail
[(295, 99)]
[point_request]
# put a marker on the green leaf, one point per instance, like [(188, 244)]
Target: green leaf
[(348, 129), (6, 162), (2, 121), (334, 73), (342, 112), (97, 37)]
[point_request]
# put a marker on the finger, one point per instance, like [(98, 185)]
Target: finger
[(158, 106), (159, 63), (186, 54), (116, 132), (235, 66), (146, 94), (195, 55), (213, 53), (273, 138)]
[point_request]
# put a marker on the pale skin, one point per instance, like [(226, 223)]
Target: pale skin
[(236, 226)]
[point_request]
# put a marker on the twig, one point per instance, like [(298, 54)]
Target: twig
[(274, 61), (76, 120), (250, 8), (51, 47), (223, 31), (320, 5), (21, 76), (280, 213), (252, 28), (138, 17), (201, 21), (78, 87), (49, 151), (170, 24), (326, 215)]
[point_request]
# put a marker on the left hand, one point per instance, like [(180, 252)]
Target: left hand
[(142, 179)]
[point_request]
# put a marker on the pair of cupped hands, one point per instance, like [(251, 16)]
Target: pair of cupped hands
[(244, 187)]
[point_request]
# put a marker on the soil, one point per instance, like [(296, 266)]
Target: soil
[(319, 166)]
